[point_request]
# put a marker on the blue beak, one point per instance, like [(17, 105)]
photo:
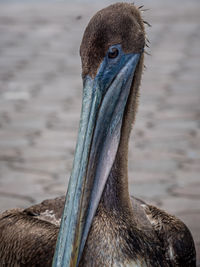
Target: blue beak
[(104, 102)]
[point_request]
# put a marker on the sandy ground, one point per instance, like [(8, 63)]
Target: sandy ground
[(40, 102)]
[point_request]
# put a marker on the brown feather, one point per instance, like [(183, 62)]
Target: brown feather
[(25, 240)]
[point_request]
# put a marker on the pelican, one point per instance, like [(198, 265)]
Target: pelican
[(101, 224)]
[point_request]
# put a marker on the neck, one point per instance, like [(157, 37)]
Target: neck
[(116, 195)]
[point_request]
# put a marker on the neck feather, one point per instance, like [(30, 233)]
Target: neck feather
[(116, 195)]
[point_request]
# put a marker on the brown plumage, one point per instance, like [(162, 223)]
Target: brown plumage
[(125, 231)]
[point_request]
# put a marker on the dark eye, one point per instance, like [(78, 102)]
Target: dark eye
[(114, 53)]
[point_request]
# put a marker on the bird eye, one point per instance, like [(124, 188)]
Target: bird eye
[(114, 53)]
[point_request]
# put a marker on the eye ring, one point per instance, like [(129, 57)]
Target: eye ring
[(113, 53)]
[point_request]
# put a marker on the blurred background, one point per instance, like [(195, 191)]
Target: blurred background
[(40, 102)]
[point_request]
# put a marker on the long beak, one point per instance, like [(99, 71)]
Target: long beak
[(104, 101)]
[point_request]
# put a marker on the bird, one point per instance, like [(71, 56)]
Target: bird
[(98, 223)]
